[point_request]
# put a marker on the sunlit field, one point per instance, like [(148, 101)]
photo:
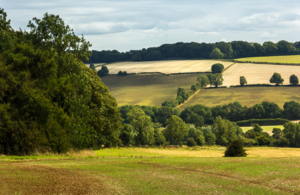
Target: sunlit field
[(267, 129), (247, 96), (167, 66), (273, 59), (149, 90), (258, 73), (197, 170)]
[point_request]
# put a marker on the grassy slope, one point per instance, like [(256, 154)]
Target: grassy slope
[(245, 95), (168, 175), (150, 90), (274, 59)]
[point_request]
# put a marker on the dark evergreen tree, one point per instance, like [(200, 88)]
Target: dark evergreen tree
[(235, 149)]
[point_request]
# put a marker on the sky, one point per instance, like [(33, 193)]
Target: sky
[(126, 25)]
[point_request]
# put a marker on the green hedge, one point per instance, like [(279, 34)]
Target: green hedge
[(262, 122)]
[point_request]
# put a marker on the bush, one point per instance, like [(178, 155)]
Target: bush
[(235, 149), (103, 72), (120, 73), (191, 142)]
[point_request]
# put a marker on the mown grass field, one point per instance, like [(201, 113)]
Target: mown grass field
[(164, 66), (273, 59), (149, 90), (258, 73), (157, 171), (247, 96)]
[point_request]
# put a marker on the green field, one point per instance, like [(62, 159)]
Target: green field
[(112, 173), (267, 129), (247, 96), (149, 90), (293, 59)]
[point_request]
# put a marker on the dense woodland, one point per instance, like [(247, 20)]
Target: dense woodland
[(49, 100), (193, 50)]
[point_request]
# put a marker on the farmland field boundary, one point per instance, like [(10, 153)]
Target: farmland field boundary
[(265, 63)]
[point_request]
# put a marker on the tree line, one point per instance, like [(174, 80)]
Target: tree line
[(193, 50), (143, 125)]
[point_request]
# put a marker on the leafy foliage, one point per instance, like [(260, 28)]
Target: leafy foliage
[(235, 149), (276, 78), (216, 54), (294, 80), (243, 80), (103, 71), (176, 129), (217, 68), (203, 80), (191, 142), (49, 100)]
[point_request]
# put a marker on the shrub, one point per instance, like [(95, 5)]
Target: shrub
[(191, 142), (120, 73), (235, 149)]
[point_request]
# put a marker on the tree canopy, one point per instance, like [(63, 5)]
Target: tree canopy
[(217, 68), (294, 80), (50, 100), (276, 78)]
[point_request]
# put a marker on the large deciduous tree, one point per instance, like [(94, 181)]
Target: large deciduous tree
[(216, 54), (276, 78), (203, 80), (294, 80), (217, 68), (142, 125), (176, 129), (224, 130)]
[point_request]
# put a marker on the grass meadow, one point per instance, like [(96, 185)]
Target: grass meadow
[(197, 170), (164, 66), (247, 96), (149, 90), (293, 59)]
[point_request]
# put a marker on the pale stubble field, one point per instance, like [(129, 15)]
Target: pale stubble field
[(166, 66), (258, 73)]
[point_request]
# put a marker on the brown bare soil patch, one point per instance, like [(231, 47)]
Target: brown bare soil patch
[(20, 178)]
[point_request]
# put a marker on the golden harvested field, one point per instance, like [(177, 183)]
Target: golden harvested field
[(247, 96), (167, 66), (258, 73), (148, 90), (274, 59)]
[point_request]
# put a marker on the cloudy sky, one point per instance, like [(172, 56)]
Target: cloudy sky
[(135, 24)]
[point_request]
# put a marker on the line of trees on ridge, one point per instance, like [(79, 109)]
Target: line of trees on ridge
[(193, 50)]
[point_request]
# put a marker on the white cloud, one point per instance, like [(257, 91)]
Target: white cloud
[(149, 22)]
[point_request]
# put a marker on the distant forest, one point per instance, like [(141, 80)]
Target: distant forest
[(193, 50)]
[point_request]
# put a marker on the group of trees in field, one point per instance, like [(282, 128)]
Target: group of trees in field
[(143, 125), (276, 78), (199, 114), (49, 100), (193, 50), (214, 79)]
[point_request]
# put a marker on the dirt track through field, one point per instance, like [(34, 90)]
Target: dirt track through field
[(258, 73), (167, 66)]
